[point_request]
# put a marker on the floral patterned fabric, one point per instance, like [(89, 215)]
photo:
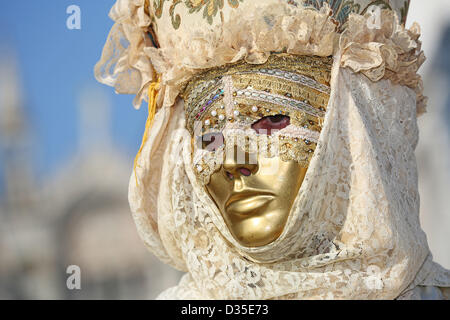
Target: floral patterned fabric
[(341, 8)]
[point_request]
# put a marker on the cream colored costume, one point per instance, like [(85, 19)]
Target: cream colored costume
[(354, 231)]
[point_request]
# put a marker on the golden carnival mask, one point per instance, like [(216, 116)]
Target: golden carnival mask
[(254, 130)]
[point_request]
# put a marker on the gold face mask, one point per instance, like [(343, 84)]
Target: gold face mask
[(254, 131)]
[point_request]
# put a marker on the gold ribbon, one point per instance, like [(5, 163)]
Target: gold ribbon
[(153, 91)]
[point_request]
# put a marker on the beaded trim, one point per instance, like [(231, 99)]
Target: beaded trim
[(317, 68), (294, 77), (288, 81), (208, 94), (281, 144), (250, 93)]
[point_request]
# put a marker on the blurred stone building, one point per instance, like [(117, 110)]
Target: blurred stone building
[(79, 216), (433, 154)]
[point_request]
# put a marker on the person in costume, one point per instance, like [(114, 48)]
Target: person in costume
[(278, 156)]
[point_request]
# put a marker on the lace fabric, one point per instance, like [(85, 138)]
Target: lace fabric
[(353, 232)]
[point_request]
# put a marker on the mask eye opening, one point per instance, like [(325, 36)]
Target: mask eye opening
[(266, 124)]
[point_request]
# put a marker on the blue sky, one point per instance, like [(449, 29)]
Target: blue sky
[(56, 64)]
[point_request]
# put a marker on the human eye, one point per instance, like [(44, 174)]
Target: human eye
[(269, 123)]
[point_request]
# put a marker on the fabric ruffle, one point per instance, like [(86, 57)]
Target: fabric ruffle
[(388, 52), (124, 64), (129, 59)]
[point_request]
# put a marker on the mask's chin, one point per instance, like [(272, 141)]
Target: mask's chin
[(255, 200)]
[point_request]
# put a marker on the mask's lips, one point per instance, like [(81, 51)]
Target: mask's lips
[(246, 202)]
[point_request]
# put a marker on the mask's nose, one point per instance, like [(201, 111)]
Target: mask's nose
[(239, 163)]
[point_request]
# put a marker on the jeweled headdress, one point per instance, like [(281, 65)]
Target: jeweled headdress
[(236, 96)]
